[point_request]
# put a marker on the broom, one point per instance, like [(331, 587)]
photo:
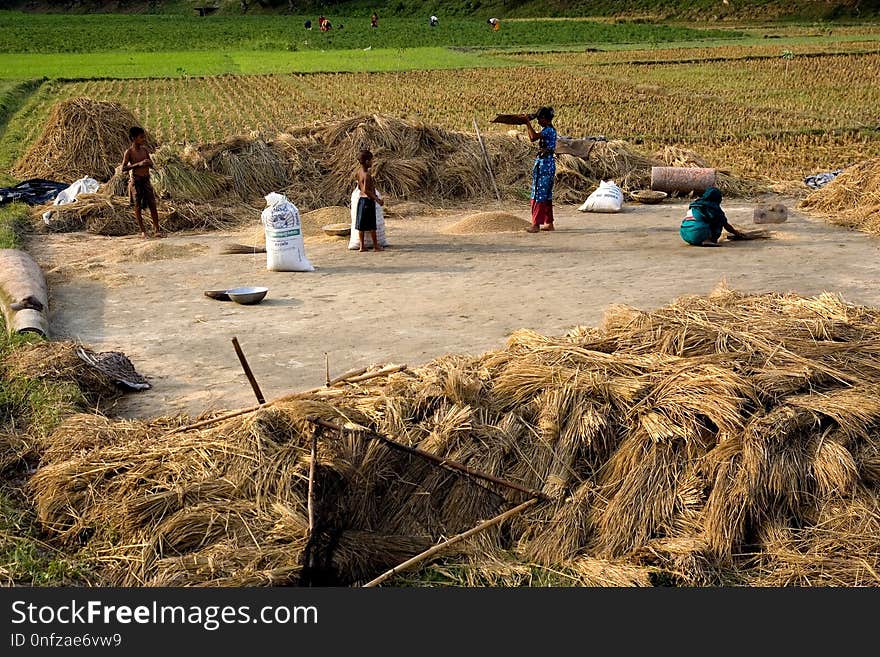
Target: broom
[(234, 249)]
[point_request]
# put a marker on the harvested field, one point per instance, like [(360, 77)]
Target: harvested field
[(710, 441)]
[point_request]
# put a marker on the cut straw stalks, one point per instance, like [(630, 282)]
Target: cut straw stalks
[(720, 439)]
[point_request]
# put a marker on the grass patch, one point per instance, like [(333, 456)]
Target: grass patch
[(29, 408), (14, 219), (219, 62)]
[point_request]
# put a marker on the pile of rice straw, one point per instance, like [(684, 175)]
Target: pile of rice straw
[(83, 137), (315, 165), (103, 214), (852, 199), (719, 440)]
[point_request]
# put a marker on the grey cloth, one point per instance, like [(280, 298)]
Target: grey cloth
[(821, 179)]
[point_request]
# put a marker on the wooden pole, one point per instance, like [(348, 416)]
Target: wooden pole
[(326, 369), (486, 160), (312, 466), (355, 376), (430, 552), (247, 371), (446, 463)]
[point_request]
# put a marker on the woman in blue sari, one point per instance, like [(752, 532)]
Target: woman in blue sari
[(543, 171), (705, 220)]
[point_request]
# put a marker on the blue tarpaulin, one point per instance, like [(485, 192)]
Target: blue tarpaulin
[(32, 192)]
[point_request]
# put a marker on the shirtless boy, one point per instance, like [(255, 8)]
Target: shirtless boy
[(140, 192), (366, 209)]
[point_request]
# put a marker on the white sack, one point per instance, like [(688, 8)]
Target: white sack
[(65, 196), (285, 250), (608, 197), (354, 241)]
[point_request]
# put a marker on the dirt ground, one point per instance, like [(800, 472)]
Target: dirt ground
[(430, 293)]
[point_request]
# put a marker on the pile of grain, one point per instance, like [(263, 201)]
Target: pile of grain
[(723, 439), (487, 222), (83, 137)]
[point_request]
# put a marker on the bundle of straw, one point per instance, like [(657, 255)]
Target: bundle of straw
[(83, 137)]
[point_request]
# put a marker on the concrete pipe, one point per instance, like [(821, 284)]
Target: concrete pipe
[(682, 179), (24, 295)]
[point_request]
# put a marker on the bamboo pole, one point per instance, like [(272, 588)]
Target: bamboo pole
[(486, 160), (445, 463), (430, 552), (247, 371), (312, 466), (355, 376)]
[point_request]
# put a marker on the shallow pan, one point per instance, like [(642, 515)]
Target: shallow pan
[(247, 295), (219, 295)]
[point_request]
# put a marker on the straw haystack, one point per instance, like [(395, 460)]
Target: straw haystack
[(723, 439), (852, 199), (83, 137)]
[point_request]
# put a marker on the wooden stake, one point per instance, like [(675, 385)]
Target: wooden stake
[(445, 463), (247, 371), (312, 466), (355, 376), (430, 552), (486, 160), (327, 369)]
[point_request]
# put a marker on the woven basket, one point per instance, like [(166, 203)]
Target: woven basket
[(337, 229), (649, 196)]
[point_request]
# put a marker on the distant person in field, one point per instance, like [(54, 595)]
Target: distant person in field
[(365, 219), (705, 220), (495, 23), (543, 170), (374, 20), (138, 163)]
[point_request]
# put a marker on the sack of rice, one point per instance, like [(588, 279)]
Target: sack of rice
[(285, 250), (608, 197), (354, 241)]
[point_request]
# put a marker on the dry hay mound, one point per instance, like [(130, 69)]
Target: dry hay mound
[(249, 165), (176, 179), (487, 222), (102, 214), (725, 438), (852, 199), (83, 137), (58, 362)]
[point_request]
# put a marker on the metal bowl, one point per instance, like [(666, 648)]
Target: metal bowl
[(247, 295)]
